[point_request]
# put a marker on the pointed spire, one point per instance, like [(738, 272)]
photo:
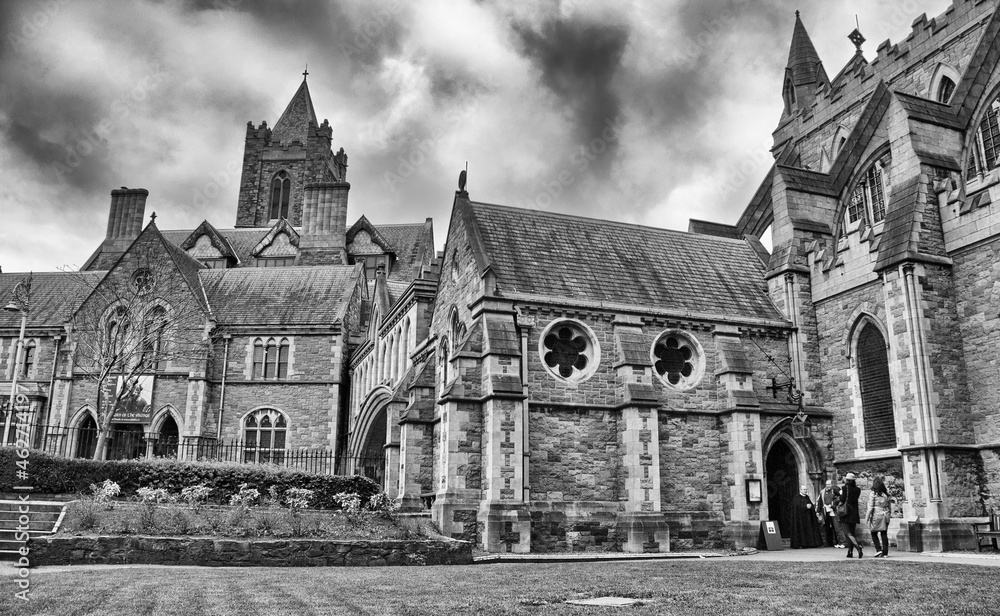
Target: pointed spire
[(294, 122), (804, 72), (802, 57)]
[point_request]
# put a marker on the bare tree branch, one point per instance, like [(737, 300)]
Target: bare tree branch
[(140, 319)]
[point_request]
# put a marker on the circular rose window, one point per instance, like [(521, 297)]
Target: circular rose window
[(143, 280), (678, 359), (569, 350)]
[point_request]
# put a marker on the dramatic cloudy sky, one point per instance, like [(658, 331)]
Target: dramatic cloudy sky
[(651, 111)]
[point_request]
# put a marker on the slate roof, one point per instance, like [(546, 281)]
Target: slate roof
[(803, 61), (54, 296), (569, 257), (315, 295), (241, 240), (409, 243), (293, 125)]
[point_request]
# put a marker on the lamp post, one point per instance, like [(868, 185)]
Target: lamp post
[(19, 303)]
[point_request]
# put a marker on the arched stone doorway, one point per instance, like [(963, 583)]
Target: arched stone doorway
[(86, 438), (782, 475), (168, 438), (366, 443), (372, 462), (789, 463)]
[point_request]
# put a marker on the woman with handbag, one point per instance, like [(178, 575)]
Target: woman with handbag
[(849, 514), (879, 511)]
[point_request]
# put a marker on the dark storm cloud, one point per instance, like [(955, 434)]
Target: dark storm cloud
[(359, 35), (578, 61)]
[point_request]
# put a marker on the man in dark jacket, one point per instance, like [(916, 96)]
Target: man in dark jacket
[(825, 502)]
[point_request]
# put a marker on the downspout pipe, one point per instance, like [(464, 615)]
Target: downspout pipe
[(222, 392), (524, 324)]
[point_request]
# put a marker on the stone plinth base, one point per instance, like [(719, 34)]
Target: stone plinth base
[(940, 535), (643, 532), (506, 527), (741, 534)]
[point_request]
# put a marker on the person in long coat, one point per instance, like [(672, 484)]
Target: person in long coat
[(879, 512), (804, 531), (849, 495)]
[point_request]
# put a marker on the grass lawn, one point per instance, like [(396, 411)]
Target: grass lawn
[(730, 586)]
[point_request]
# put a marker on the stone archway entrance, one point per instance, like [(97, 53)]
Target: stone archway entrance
[(782, 472), (372, 461)]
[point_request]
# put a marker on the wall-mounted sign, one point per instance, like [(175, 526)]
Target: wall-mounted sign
[(135, 405), (754, 490)]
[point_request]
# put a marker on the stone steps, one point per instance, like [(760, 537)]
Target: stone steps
[(44, 518)]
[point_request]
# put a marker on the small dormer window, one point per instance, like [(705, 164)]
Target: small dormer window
[(281, 188)]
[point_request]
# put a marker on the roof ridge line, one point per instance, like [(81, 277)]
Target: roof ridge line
[(600, 220)]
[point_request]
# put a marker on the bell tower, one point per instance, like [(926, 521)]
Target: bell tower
[(279, 162)]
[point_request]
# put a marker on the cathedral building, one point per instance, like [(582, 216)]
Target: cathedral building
[(284, 298), (553, 383)]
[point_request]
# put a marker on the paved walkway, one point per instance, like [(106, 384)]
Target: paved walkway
[(984, 559)]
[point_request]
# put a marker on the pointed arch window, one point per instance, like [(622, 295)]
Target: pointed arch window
[(270, 358), (876, 390), (116, 342), (866, 202), (457, 328), (444, 354), (984, 151), (945, 89), (264, 432), (152, 336), (281, 188), (27, 358)]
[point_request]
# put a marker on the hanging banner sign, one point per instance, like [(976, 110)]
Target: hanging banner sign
[(136, 404)]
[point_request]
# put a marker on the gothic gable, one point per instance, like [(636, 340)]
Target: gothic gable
[(281, 241)]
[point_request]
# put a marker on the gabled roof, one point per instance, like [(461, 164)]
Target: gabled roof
[(410, 243), (363, 224), (556, 256), (293, 125), (282, 226), (54, 296), (243, 240), (219, 242), (314, 295)]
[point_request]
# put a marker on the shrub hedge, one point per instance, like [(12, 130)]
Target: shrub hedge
[(53, 475)]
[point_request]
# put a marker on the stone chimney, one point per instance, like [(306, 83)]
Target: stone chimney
[(324, 224), (128, 207)]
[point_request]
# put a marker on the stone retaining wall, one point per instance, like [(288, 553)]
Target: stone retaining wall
[(239, 553)]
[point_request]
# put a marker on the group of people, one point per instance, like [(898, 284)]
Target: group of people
[(837, 511)]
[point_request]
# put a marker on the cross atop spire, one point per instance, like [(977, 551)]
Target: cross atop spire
[(305, 73)]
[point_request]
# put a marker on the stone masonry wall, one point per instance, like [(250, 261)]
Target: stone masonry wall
[(691, 476), (835, 318), (236, 553), (574, 454), (977, 281)]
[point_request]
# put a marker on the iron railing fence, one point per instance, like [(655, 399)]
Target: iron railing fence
[(134, 443)]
